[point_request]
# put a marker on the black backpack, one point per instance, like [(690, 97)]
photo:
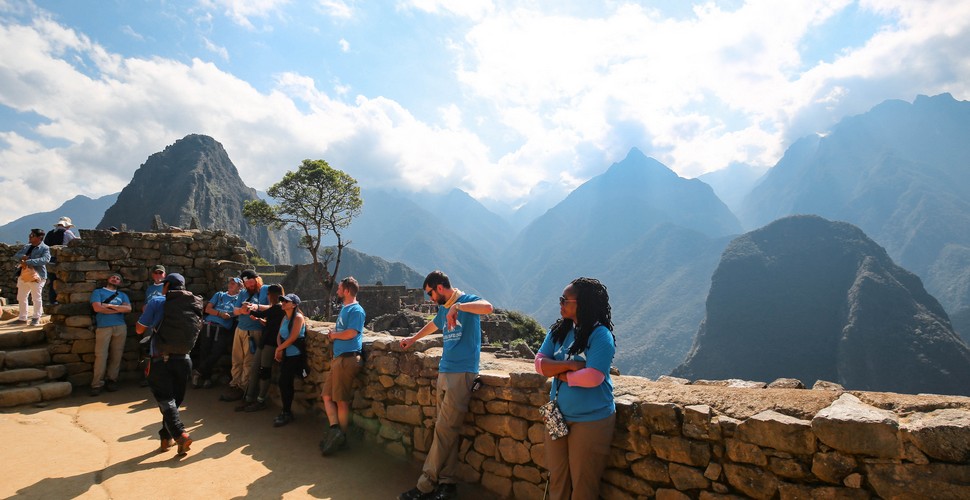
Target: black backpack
[(181, 322), (55, 237)]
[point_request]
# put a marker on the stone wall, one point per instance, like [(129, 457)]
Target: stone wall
[(205, 258), (673, 440)]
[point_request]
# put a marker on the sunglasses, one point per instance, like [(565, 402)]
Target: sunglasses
[(429, 292), (563, 300)]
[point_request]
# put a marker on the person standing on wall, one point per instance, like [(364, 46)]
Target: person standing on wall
[(459, 319), (248, 333), (348, 346), (110, 306), (60, 235), (578, 352), (33, 259), (176, 319)]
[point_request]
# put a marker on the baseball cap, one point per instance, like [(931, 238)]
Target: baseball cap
[(291, 297), (158, 267), (248, 274), (174, 279)]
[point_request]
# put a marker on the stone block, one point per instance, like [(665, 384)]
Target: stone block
[(78, 321), (770, 429), (55, 372), (739, 451), (786, 383), (789, 468), (788, 491), (687, 478), (485, 444), (752, 481), (526, 491), (83, 346), (538, 454), (667, 379), (504, 426), (941, 434), (660, 418), (917, 481), (627, 483), (65, 358), (405, 414), (669, 494), (513, 451), (713, 471), (530, 474), (501, 486), (72, 333), (610, 492), (21, 375), (493, 466), (851, 426), (832, 467), (26, 358), (680, 450), (528, 412), (698, 423), (651, 469), (527, 380), (16, 396), (55, 390)]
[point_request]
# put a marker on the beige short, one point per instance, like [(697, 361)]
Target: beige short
[(340, 383)]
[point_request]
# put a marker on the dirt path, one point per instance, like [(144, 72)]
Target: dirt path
[(105, 448)]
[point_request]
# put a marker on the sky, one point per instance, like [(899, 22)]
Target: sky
[(508, 101)]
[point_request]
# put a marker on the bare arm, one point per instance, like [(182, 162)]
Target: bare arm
[(347, 334), (552, 368), (426, 330)]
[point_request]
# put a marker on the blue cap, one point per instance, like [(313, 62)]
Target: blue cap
[(291, 297), (174, 279)]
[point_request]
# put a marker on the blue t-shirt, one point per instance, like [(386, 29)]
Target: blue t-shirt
[(463, 345), (351, 317), (222, 302), (291, 350), (153, 290), (152, 316), (245, 322), (105, 320), (584, 404)]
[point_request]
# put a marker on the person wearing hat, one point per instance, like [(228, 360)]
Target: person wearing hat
[(110, 306), (155, 288), (60, 235), (33, 256), (289, 353), (217, 332), (169, 347), (248, 333)]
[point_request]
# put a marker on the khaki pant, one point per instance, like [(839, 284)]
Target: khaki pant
[(441, 466), (109, 346), (576, 462), (242, 358)]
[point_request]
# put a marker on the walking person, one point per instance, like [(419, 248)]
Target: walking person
[(459, 319), (348, 345), (578, 352), (33, 259), (271, 316), (290, 353), (176, 319), (110, 306), (217, 332)]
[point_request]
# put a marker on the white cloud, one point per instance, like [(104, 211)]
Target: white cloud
[(344, 45), (241, 12), (216, 49), (472, 9), (338, 9), (128, 30)]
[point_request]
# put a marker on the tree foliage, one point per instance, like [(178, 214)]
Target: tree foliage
[(317, 200), (527, 329)]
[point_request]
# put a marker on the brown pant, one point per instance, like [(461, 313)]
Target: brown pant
[(242, 359), (340, 382), (576, 462), (441, 466)]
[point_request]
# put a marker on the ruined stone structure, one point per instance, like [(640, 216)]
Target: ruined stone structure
[(673, 440)]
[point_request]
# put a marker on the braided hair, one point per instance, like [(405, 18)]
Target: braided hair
[(592, 309)]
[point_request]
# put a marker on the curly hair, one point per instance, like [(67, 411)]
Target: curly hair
[(592, 309)]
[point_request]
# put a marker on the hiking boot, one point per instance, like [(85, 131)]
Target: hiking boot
[(232, 394), (111, 385), (255, 406), (184, 442), (335, 441), (242, 405), (166, 444), (414, 494), (445, 491), (283, 419), (95, 391)]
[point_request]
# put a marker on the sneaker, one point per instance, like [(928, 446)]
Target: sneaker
[(166, 444), (95, 391), (335, 441), (255, 406), (35, 322), (111, 385), (283, 419), (196, 379), (414, 494), (232, 394), (184, 442), (446, 491), (21, 321)]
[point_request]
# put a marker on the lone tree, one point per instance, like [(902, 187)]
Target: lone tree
[(316, 199)]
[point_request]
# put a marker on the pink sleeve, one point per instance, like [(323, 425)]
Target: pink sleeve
[(539, 358), (587, 377)]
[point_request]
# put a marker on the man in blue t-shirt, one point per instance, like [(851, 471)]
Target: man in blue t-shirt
[(110, 306), (348, 343), (459, 319), (248, 335), (155, 289)]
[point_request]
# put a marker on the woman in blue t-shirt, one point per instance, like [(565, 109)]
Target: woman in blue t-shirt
[(290, 356), (578, 352)]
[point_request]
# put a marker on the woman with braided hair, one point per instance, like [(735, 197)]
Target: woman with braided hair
[(577, 353)]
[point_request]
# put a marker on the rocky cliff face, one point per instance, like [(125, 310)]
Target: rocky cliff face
[(194, 177), (808, 298)]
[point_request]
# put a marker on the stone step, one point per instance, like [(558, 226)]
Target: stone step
[(34, 357), (19, 376), (16, 396), (23, 337)]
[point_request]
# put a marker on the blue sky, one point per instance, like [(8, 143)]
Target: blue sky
[(493, 97)]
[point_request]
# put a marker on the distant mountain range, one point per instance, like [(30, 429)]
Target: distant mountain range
[(812, 299), (84, 212), (898, 172)]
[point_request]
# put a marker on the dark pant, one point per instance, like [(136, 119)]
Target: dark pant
[(289, 368), (51, 293), (213, 343), (167, 381)]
